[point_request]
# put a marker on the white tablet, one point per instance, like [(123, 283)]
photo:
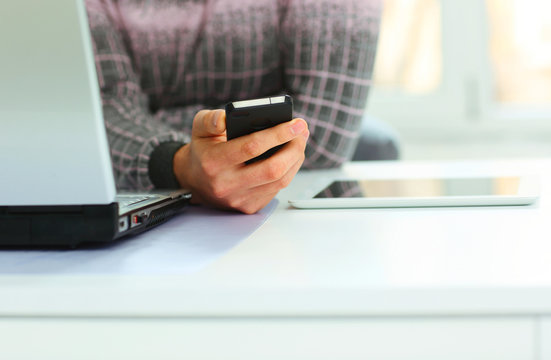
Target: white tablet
[(472, 191)]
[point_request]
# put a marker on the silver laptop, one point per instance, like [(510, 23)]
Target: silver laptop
[(56, 180)]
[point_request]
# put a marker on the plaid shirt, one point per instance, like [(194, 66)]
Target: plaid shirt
[(159, 62)]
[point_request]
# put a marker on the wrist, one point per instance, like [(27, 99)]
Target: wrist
[(160, 165), (181, 166)]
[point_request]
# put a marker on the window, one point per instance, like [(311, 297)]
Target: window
[(463, 64), (520, 47), (410, 53)]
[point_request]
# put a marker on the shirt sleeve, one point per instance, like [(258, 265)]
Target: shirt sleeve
[(133, 132), (328, 49)]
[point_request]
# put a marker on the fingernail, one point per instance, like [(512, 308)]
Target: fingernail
[(215, 120), (298, 127)]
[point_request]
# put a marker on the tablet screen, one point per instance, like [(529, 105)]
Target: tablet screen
[(436, 187)]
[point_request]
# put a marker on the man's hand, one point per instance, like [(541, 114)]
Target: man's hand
[(215, 170)]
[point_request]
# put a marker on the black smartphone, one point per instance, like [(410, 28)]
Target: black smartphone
[(248, 116)]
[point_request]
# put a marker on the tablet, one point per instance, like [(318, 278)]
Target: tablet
[(375, 193)]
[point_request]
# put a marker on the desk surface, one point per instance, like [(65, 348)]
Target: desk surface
[(350, 262)]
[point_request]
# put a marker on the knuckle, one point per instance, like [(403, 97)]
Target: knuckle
[(235, 204), (251, 148), (276, 170), (209, 167), (219, 190), (285, 181)]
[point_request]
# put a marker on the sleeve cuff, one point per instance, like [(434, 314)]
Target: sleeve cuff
[(161, 165)]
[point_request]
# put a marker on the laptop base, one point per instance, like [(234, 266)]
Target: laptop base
[(57, 226)]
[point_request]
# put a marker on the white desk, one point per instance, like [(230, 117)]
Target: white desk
[(440, 283)]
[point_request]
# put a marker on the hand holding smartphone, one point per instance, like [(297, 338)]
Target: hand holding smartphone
[(245, 117)]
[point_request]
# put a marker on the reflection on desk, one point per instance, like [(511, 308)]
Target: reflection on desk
[(184, 244)]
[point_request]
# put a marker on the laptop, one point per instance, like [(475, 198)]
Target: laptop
[(56, 180)]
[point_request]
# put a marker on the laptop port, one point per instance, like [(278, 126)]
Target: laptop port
[(138, 219), (123, 224)]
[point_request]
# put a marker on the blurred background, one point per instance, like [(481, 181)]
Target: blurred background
[(462, 79)]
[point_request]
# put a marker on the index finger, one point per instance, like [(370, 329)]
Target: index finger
[(247, 147)]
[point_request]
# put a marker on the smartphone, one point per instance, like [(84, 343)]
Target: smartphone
[(248, 116)]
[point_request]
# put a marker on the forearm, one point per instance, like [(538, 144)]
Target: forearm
[(142, 144), (141, 148)]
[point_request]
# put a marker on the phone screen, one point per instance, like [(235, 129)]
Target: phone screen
[(435, 187)]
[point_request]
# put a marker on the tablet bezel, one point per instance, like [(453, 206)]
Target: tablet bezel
[(528, 193)]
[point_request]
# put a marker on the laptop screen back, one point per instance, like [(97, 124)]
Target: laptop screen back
[(53, 145)]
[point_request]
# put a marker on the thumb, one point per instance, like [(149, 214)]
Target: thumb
[(209, 123)]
